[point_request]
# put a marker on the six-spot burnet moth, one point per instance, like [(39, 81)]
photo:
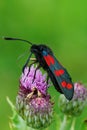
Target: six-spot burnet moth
[(56, 72)]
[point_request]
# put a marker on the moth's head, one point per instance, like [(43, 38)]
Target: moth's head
[(34, 48), (40, 48)]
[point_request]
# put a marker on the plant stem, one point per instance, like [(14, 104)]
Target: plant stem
[(64, 123), (73, 124)]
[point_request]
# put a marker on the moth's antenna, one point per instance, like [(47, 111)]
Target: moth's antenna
[(10, 38)]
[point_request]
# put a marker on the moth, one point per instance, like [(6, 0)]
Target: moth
[(56, 72)]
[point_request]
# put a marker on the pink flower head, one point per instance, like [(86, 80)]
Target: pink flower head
[(80, 92), (28, 82), (33, 103)]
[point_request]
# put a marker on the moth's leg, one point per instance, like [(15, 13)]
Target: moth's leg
[(33, 59), (26, 62), (35, 72), (32, 64)]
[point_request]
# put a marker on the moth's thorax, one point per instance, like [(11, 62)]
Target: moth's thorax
[(38, 49)]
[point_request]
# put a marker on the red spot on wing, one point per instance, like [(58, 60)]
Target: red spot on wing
[(66, 85), (63, 83), (49, 60), (59, 72), (69, 86)]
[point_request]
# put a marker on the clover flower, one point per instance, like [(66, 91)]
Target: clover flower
[(77, 104), (33, 102)]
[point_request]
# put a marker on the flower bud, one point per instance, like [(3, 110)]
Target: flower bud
[(78, 102)]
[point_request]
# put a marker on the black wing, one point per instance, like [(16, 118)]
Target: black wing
[(60, 76)]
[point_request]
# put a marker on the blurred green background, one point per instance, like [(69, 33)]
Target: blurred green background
[(62, 25)]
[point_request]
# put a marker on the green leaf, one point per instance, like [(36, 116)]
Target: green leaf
[(16, 122)]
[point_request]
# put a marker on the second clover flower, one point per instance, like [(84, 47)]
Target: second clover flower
[(77, 104)]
